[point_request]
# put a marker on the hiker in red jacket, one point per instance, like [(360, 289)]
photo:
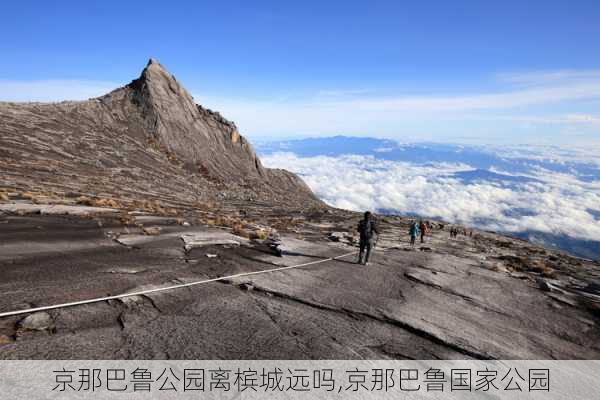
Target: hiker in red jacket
[(423, 228)]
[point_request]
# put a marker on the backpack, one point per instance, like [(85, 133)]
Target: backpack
[(365, 228)]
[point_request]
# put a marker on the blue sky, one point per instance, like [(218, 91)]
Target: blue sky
[(463, 71)]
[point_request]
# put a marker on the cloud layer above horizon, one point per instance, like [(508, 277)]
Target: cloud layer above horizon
[(507, 108), (558, 106), (549, 202), (53, 90)]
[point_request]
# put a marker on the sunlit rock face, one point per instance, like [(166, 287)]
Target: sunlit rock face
[(147, 139)]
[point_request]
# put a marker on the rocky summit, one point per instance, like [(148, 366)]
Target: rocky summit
[(148, 140), (160, 211)]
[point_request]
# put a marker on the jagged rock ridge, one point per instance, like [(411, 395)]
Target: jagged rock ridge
[(147, 139), (196, 135)]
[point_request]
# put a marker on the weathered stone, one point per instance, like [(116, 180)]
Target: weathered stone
[(151, 230), (49, 209), (4, 339), (337, 236), (192, 240), (413, 304), (38, 321), (543, 285)]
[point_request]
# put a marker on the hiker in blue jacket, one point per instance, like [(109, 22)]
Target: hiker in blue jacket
[(413, 232), (368, 230)]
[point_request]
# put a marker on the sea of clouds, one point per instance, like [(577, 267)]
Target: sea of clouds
[(546, 201)]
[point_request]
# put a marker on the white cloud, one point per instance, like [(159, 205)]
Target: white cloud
[(588, 154), (436, 115), (556, 119), (545, 77), (559, 205), (53, 90), (489, 101)]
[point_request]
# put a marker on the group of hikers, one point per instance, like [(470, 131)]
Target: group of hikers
[(454, 232), (369, 230), (419, 229)]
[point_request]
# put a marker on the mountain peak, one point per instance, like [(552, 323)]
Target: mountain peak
[(156, 72), (193, 134), (153, 129), (154, 65)]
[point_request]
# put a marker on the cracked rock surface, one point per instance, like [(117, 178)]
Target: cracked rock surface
[(452, 302)]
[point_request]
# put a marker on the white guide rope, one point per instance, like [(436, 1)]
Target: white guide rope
[(182, 285)]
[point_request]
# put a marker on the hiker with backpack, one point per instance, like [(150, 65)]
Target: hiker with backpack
[(368, 230), (413, 232), (453, 232), (423, 229)]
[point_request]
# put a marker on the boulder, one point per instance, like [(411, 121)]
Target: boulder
[(337, 236), (151, 230), (246, 286), (543, 285), (38, 321), (194, 240)]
